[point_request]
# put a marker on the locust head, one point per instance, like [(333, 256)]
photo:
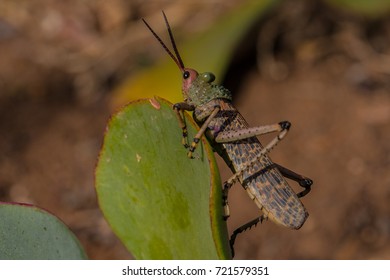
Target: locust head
[(197, 88)]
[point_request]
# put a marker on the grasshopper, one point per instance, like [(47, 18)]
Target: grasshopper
[(236, 142)]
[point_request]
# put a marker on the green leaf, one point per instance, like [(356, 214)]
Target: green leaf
[(159, 202), (28, 232), (209, 51)]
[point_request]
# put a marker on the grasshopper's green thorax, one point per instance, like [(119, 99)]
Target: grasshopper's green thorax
[(200, 89)]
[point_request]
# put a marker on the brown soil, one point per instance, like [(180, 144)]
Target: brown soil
[(325, 71)]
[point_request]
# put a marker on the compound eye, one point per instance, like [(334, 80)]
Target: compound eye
[(186, 75)]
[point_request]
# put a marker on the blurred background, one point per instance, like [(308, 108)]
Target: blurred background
[(65, 66)]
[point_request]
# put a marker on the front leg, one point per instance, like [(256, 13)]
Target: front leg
[(201, 131), (179, 108)]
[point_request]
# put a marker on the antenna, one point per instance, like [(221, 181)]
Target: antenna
[(177, 58)]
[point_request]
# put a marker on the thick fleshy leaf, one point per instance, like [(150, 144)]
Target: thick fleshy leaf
[(28, 232), (159, 202)]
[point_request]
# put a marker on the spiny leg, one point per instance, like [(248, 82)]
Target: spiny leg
[(282, 127), (303, 181), (245, 133), (243, 228), (179, 108)]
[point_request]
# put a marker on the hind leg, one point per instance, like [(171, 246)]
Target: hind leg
[(303, 181), (243, 228)]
